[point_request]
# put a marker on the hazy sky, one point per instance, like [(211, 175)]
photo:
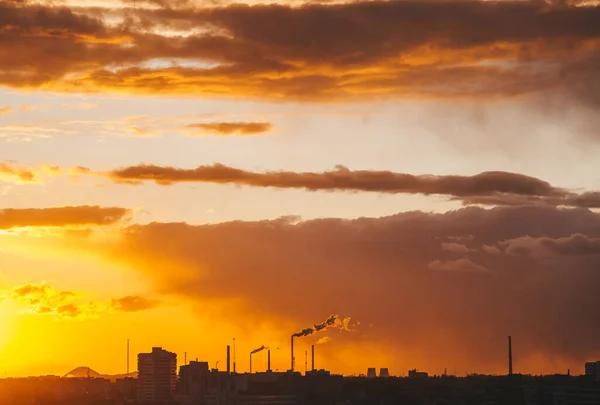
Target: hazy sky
[(181, 173)]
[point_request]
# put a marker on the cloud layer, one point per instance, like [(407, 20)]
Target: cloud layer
[(486, 188), (61, 216), (230, 128), (313, 52), (10, 172), (133, 303), (419, 301), (43, 299)]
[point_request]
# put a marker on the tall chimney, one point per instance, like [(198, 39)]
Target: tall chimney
[(292, 354), (510, 370), (313, 358), (269, 360), (228, 359), (250, 363), (234, 356)]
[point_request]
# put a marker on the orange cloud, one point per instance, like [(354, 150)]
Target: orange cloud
[(393, 275), (61, 216), (10, 110), (230, 128), (10, 172), (141, 131), (43, 299), (133, 303), (315, 52)]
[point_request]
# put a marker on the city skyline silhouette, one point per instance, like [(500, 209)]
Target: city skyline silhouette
[(389, 190)]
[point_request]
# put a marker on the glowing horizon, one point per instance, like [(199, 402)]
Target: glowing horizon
[(183, 173)]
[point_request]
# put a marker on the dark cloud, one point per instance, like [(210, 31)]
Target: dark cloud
[(487, 188), (343, 178), (585, 200), (230, 128), (313, 52), (427, 306), (61, 216), (455, 247), (571, 245), (577, 244), (35, 19), (494, 250), (133, 303), (40, 44)]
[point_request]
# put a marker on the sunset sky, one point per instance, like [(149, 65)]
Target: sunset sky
[(186, 172)]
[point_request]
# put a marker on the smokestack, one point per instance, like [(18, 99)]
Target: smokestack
[(250, 363), (313, 358), (292, 369), (268, 360), (185, 358), (228, 359), (234, 356), (510, 370)]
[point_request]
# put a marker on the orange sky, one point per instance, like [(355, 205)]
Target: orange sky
[(181, 173)]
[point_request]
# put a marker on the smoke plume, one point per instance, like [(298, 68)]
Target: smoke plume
[(260, 349), (332, 321), (304, 332), (323, 340), (328, 322)]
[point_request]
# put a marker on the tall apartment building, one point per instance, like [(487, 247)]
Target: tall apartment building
[(157, 375)]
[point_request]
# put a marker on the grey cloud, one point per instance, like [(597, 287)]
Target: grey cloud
[(393, 273), (315, 52), (573, 245), (455, 247)]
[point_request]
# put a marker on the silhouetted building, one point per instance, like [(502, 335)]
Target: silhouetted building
[(417, 374), (592, 369), (157, 375), (126, 388), (193, 382), (316, 388)]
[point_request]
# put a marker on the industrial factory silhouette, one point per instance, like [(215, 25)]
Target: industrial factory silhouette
[(158, 382)]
